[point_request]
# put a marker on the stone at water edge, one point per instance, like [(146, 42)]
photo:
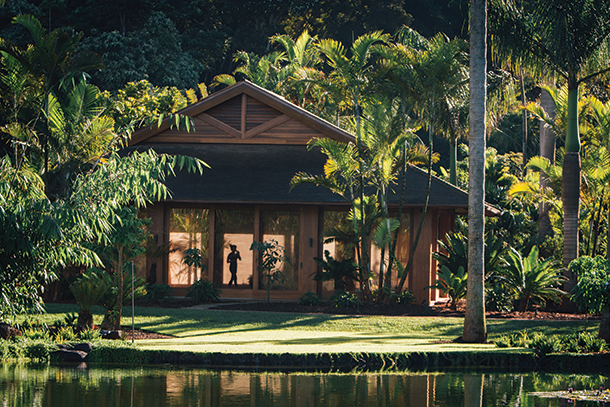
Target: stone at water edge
[(8, 331), (111, 334)]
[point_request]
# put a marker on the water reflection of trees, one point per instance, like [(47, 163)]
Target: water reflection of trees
[(51, 386)]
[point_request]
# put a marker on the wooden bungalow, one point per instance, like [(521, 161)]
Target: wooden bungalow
[(255, 142)]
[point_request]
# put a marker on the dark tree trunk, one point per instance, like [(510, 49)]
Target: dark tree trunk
[(475, 325), (85, 321), (571, 207), (604, 326)]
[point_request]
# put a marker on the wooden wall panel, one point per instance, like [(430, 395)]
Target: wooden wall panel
[(289, 132), (228, 112), (309, 249), (155, 213), (420, 277), (258, 113)]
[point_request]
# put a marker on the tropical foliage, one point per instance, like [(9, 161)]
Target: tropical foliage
[(67, 199)]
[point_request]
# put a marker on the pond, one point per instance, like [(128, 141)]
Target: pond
[(22, 385)]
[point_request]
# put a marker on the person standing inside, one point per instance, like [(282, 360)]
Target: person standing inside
[(232, 260)]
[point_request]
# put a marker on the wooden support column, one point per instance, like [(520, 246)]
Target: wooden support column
[(420, 277), (308, 249)]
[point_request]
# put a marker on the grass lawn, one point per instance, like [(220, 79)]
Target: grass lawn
[(258, 332)]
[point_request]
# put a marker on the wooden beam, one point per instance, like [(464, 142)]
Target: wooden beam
[(244, 106), (220, 125), (266, 126)]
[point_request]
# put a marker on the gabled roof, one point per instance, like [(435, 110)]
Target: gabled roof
[(261, 174), (244, 113), (254, 142)]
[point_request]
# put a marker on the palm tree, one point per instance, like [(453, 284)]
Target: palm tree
[(570, 37), (475, 327), (301, 55), (386, 135), (600, 147), (56, 60), (348, 82), (431, 79)]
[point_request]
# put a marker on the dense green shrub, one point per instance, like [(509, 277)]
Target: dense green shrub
[(405, 297), (581, 342), (116, 352), (337, 271), (342, 299), (157, 293), (310, 298), (546, 344), (89, 335), (498, 297), (203, 291), (36, 333), (38, 350), (10, 350), (584, 342), (532, 279), (454, 284), (65, 334)]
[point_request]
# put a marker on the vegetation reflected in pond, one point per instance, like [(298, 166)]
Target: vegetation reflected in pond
[(53, 386)]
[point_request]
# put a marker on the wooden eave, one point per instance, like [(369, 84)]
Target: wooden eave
[(244, 89)]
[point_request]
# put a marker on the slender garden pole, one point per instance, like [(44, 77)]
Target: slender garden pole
[(133, 307)]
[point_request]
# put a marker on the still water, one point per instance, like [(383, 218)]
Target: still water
[(150, 387)]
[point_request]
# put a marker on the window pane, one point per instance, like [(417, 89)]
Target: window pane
[(234, 227), (283, 227), (188, 229), (338, 226)]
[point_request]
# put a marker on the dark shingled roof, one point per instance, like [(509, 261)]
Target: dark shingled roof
[(255, 173)]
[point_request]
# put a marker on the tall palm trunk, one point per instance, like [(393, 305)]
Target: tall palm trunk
[(571, 185), (392, 256), (524, 125), (361, 233), (475, 329), (547, 150), (409, 265), (453, 161)]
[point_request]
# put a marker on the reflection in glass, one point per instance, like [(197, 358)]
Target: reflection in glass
[(339, 227), (234, 227), (188, 229), (283, 227)]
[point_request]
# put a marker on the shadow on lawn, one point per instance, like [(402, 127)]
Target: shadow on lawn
[(191, 323), (218, 326)]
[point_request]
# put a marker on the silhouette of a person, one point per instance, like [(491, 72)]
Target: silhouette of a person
[(232, 260)]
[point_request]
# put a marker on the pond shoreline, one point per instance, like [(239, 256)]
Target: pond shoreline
[(515, 360)]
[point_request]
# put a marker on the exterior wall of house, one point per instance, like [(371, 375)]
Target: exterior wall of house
[(186, 225)]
